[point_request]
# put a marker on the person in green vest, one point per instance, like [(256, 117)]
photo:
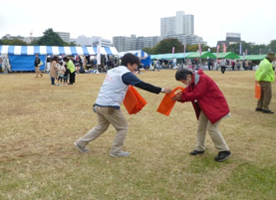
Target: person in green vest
[(72, 69), (265, 76)]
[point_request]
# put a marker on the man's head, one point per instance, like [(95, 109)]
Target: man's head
[(36, 55), (65, 59), (271, 56), (130, 61), (184, 76)]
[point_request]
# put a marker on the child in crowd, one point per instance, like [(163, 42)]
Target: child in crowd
[(61, 72), (66, 73), (210, 107)]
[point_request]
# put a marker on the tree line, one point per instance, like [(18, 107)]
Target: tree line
[(49, 38)]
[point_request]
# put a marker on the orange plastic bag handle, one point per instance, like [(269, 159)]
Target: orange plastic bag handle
[(133, 101), (257, 91), (167, 103)]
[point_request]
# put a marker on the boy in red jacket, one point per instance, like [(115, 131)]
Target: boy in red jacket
[(210, 107)]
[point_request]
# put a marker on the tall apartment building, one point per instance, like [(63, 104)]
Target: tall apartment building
[(180, 24), (64, 36), (133, 43)]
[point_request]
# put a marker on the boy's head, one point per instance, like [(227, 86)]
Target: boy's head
[(130, 61), (184, 76), (65, 59)]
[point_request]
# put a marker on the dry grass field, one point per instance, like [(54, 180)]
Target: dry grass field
[(39, 123)]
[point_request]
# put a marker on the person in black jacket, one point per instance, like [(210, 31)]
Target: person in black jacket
[(37, 66)]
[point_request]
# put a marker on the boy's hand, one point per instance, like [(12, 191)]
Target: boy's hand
[(178, 97)]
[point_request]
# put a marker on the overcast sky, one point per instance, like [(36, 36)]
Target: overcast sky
[(254, 20)]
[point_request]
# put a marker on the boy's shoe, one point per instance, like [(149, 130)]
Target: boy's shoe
[(258, 109), (122, 154), (268, 111), (222, 156), (83, 150), (195, 152)]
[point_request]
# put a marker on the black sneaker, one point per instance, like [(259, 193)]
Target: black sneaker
[(222, 156), (268, 111), (195, 152), (258, 109)]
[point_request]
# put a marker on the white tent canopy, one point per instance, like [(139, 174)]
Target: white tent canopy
[(55, 50)]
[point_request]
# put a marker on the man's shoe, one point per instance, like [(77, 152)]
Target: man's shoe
[(268, 111), (122, 154), (83, 150), (222, 156), (258, 109), (195, 152)]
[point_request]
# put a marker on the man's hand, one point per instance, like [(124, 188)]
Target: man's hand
[(167, 90)]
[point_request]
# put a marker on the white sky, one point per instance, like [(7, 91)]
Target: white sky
[(255, 20)]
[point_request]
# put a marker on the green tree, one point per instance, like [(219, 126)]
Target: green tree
[(166, 45), (51, 38), (149, 50), (13, 42), (272, 45)]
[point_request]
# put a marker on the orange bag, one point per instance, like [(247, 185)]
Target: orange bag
[(133, 101), (167, 103), (257, 91)]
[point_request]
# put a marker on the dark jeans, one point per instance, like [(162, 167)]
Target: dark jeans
[(53, 80), (223, 69), (72, 78)]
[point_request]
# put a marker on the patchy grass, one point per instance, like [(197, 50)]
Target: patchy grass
[(40, 122)]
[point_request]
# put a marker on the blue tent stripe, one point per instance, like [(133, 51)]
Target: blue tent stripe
[(95, 50), (49, 50), (85, 51), (108, 51), (74, 51), (11, 50), (61, 50), (0, 50), (24, 50), (36, 50)]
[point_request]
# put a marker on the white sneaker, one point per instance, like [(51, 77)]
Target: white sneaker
[(122, 154), (83, 150)]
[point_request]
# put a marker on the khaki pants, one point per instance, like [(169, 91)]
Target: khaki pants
[(266, 95), (106, 116), (37, 70), (218, 140)]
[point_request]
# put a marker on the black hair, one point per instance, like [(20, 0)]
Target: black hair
[(65, 59), (182, 74), (130, 58)]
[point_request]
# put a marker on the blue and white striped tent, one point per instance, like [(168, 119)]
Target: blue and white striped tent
[(55, 50), (138, 53)]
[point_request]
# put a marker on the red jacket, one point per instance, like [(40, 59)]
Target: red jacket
[(209, 97)]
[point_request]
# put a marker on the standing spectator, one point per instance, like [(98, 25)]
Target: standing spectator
[(61, 71), (233, 65), (209, 64), (243, 65), (5, 65), (110, 64), (108, 102), (238, 65), (265, 76), (210, 107), (37, 66), (222, 65), (53, 69), (72, 69)]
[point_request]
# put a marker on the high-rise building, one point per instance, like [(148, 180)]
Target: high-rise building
[(133, 43), (64, 36), (231, 38), (180, 24), (92, 41)]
